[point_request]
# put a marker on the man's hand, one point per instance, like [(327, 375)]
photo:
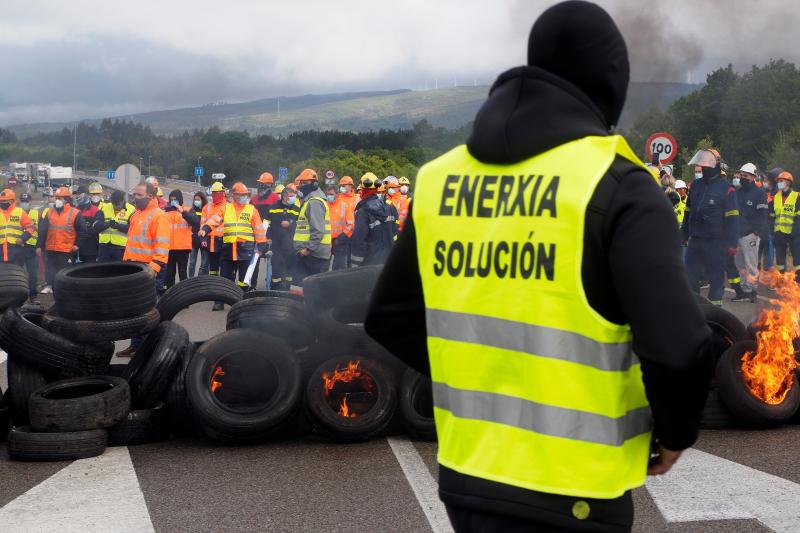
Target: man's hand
[(732, 251), (305, 252), (201, 233), (38, 252), (661, 461), (285, 224), (74, 249)]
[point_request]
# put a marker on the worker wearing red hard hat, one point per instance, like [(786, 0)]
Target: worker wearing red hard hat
[(59, 233), (343, 220)]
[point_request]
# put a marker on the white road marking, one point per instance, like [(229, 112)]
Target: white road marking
[(100, 494), (702, 486), (422, 483)]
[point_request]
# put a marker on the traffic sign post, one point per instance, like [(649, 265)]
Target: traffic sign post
[(283, 174), (664, 145), (198, 172), (111, 174), (12, 181)]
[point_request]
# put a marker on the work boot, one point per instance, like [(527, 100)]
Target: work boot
[(742, 296), (33, 301), (130, 351), (47, 290), (218, 306)]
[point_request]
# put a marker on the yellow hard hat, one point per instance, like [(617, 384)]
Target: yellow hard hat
[(404, 181), (95, 188), (159, 192), (370, 181), (279, 188), (217, 187)]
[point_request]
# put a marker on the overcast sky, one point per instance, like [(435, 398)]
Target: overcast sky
[(66, 60)]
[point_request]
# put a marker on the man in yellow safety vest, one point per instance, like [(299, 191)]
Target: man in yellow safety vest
[(524, 278)]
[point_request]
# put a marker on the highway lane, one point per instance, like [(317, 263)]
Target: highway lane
[(310, 484)]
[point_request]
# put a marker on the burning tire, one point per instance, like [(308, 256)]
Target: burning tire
[(25, 444), (726, 329), (745, 405), (350, 400), (93, 331), (22, 336), (151, 371), (140, 427), (243, 385), (416, 405), (195, 290), (105, 291), (280, 317), (13, 285), (79, 404), (23, 380)]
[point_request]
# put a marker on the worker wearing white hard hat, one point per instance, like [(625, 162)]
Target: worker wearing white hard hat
[(753, 225), (680, 207)]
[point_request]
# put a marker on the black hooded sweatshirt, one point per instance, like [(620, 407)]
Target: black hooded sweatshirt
[(632, 267)]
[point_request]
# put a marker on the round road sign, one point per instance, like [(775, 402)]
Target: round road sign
[(662, 144), (330, 174), (12, 181)]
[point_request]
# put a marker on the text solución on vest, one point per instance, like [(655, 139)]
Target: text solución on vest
[(490, 196)]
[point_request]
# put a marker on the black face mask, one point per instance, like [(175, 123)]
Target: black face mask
[(308, 188), (141, 203), (264, 191), (5, 205)]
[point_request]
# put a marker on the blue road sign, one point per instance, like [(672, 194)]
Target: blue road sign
[(198, 172), (111, 174), (283, 173)]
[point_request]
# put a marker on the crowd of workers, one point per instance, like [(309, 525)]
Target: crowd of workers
[(300, 229), (734, 226)]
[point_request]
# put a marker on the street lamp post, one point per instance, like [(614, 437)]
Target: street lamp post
[(149, 160)]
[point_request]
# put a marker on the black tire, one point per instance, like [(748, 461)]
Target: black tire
[(13, 286), (372, 423), (80, 404), (92, 331), (266, 293), (140, 427), (715, 414), (180, 417), (151, 370), (25, 444), (416, 405), (105, 291), (279, 317), (117, 370), (726, 329), (742, 404), (5, 421), (21, 334), (254, 421), (23, 380), (350, 287), (702, 300), (195, 290)]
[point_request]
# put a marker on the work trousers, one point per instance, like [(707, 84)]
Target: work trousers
[(28, 259), (195, 254), (53, 263), (176, 264), (209, 263), (228, 269), (267, 274), (11, 253), (469, 521), (85, 258), (747, 261), (341, 253), (110, 252), (281, 273), (766, 252), (159, 282), (306, 266), (705, 258), (784, 242)]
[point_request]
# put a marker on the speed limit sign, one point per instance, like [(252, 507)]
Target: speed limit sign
[(662, 144), (330, 174)]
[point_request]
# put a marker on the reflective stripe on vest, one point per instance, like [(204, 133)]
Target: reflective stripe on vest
[(238, 227), (140, 243), (785, 212), (11, 226), (302, 232), (112, 235), (527, 377), (61, 234)]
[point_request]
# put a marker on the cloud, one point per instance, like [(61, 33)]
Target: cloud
[(88, 58)]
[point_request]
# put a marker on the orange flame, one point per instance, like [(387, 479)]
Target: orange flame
[(768, 373), (215, 384), (352, 372)]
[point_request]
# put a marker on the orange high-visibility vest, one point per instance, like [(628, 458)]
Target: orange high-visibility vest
[(149, 234), (181, 231), (343, 215), (212, 217), (61, 234)]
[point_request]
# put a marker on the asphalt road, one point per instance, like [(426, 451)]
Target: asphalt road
[(732, 482)]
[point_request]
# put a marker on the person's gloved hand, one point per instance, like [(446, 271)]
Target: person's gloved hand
[(732, 251), (113, 224)]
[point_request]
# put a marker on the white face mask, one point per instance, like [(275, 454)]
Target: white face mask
[(391, 192), (198, 204), (343, 189), (290, 200), (698, 175), (781, 185), (59, 204), (175, 203), (25, 205), (736, 182), (96, 198), (404, 189), (244, 200)]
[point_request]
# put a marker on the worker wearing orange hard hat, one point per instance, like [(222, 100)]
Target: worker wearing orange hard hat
[(343, 221), (16, 228), (243, 237), (59, 232), (264, 200), (312, 237)]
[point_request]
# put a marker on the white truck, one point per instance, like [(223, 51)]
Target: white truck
[(59, 176), (19, 171)]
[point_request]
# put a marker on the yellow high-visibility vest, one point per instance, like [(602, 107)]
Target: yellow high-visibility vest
[(680, 210), (785, 212), (11, 227), (34, 216), (532, 387), (238, 227), (302, 231), (113, 235)]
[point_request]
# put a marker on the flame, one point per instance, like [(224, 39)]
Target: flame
[(768, 373), (345, 375), (215, 384)]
